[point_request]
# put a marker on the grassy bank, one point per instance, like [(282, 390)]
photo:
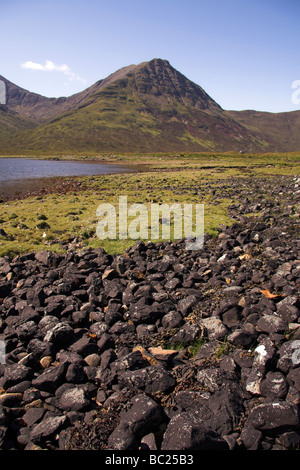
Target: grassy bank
[(52, 221)]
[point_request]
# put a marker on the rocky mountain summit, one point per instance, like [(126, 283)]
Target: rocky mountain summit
[(159, 348)]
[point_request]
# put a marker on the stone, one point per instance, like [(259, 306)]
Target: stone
[(148, 442), (75, 373), (141, 313), (60, 335), (172, 319), (113, 314), (143, 416), (151, 379), (105, 342), (264, 355), (213, 379), (96, 351), (289, 308), (132, 361), (275, 385), (121, 327), (51, 378), (243, 337), (122, 438), (74, 399), (250, 437), (186, 305), (105, 377), (47, 428), (47, 323), (231, 317), (274, 417), (33, 415), (294, 377), (85, 346), (11, 400), (187, 334), (99, 328), (27, 331), (187, 431), (46, 362), (215, 328), (47, 258), (14, 374), (223, 409), (271, 324), (163, 354), (93, 360), (40, 348), (106, 358), (289, 440)]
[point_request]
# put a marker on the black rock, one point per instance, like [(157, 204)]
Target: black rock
[(122, 438), (275, 385), (60, 335), (51, 378), (48, 428), (74, 399), (81, 332), (75, 373), (14, 374), (144, 416), (187, 334), (150, 379), (41, 348), (85, 346), (187, 431), (275, 417)]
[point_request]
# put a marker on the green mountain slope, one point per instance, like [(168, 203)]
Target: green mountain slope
[(150, 107), (11, 123), (280, 130)]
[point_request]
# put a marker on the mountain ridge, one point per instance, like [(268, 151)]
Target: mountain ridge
[(139, 108)]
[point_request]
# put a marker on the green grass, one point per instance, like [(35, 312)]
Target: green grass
[(52, 221), (36, 224), (191, 348)]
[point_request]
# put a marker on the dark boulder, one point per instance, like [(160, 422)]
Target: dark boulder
[(187, 431)]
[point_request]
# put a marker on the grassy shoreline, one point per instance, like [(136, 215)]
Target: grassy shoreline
[(53, 220)]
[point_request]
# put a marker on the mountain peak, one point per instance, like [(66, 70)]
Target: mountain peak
[(149, 107), (157, 77)]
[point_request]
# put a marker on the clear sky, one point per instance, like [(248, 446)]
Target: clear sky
[(244, 53)]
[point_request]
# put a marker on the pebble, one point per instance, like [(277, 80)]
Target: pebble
[(161, 347)]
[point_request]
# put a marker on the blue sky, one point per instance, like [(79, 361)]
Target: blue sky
[(244, 53)]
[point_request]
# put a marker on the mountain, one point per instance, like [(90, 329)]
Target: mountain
[(150, 107), (281, 131)]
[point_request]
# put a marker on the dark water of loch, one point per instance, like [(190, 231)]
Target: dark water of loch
[(18, 175)]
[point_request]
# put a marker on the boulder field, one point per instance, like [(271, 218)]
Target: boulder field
[(159, 348)]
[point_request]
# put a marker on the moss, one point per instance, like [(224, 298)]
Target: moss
[(191, 348), (194, 178)]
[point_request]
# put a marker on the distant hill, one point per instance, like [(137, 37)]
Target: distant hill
[(150, 107), (281, 131)]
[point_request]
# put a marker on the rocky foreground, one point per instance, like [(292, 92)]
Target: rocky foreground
[(160, 348)]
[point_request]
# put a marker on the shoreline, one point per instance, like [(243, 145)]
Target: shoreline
[(22, 188)]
